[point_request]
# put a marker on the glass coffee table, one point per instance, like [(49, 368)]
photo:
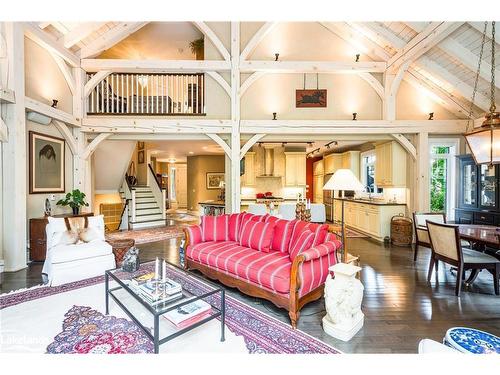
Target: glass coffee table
[(148, 317)]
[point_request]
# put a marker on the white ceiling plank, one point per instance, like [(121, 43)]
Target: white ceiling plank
[(381, 32), (312, 66), (443, 74), (110, 38), (257, 39), (80, 32), (209, 33), (434, 33), (479, 26), (154, 66), (50, 44)]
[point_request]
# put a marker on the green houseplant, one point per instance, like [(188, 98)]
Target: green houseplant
[(197, 48), (75, 200)]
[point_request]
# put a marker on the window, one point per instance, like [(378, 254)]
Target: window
[(368, 172), (442, 182)]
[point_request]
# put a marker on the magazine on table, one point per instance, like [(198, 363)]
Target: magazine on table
[(188, 314), (162, 298)]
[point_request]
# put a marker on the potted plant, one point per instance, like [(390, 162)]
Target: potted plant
[(197, 48), (75, 200)]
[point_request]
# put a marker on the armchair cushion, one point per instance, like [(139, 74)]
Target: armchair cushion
[(70, 253), (257, 235), (215, 228), (57, 227), (302, 243), (194, 233)]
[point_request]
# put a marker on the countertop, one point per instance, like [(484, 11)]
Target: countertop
[(373, 202), (212, 203)]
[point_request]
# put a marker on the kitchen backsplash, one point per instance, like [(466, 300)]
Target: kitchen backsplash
[(274, 185)]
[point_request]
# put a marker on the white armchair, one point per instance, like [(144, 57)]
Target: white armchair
[(68, 263)]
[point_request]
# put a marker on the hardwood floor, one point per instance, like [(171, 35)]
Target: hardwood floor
[(400, 307)]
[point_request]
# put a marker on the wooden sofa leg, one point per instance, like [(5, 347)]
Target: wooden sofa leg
[(294, 317)]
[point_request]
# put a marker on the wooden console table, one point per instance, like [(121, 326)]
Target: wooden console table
[(38, 237)]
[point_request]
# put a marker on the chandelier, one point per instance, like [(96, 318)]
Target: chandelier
[(484, 142)]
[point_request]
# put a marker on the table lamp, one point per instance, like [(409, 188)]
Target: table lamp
[(343, 179)]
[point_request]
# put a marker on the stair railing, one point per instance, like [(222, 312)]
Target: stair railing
[(129, 198), (159, 193)]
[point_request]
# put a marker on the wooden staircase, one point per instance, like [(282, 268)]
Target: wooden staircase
[(147, 212)]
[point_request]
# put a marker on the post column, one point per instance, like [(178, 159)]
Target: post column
[(235, 188), (14, 160), (422, 202)]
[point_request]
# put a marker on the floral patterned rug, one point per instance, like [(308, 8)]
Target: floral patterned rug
[(86, 329)]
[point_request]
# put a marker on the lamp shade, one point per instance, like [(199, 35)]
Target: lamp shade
[(485, 144), (343, 179)]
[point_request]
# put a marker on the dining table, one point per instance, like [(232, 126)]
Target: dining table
[(483, 238)]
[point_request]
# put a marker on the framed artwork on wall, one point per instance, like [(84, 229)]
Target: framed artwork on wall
[(310, 98), (214, 180), (140, 145), (140, 157), (46, 164)]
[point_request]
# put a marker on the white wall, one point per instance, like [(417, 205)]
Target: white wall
[(111, 161)]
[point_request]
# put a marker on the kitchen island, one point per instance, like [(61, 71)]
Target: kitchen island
[(369, 216), (213, 208)]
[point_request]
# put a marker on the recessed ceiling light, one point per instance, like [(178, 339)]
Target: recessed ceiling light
[(191, 152)]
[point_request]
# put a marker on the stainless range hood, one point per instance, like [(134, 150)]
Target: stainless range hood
[(268, 164)]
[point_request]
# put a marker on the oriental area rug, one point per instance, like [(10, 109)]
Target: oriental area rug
[(142, 236), (70, 319)]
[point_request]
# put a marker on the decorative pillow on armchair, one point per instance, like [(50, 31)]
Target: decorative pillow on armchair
[(257, 235)]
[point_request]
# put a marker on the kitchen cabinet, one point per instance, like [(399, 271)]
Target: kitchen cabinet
[(331, 163), (295, 168), (318, 182), (248, 178), (350, 160), (318, 168), (373, 220), (390, 165)]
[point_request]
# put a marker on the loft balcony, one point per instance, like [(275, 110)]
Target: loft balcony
[(166, 94)]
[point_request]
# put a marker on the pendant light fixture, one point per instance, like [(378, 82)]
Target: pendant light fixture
[(484, 142)]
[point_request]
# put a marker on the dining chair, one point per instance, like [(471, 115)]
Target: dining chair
[(446, 247), (421, 233), (257, 208)]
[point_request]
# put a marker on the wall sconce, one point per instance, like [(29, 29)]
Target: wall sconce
[(276, 56), (54, 103), (274, 115), (354, 116), (431, 116), (357, 57)]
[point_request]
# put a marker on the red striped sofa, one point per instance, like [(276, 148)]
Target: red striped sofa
[(285, 262)]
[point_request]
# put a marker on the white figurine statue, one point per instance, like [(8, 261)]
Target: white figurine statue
[(343, 297)]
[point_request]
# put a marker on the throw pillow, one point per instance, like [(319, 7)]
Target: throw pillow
[(89, 235), (304, 242), (67, 238), (282, 233), (320, 231), (215, 228), (261, 218), (234, 226), (257, 235), (244, 217)]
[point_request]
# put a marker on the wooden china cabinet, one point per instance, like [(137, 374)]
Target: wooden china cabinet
[(478, 193)]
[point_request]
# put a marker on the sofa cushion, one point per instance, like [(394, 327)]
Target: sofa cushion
[(234, 226), (84, 250), (261, 218), (304, 242), (215, 228), (320, 231), (257, 235), (282, 233), (269, 270), (244, 217)]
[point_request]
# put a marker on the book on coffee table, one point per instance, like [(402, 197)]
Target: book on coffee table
[(188, 314)]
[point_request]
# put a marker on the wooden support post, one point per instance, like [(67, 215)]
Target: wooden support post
[(14, 161), (421, 195), (235, 186)]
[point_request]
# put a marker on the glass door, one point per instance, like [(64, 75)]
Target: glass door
[(487, 187), (468, 183)]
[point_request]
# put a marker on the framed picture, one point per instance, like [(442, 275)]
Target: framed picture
[(140, 145), (46, 163), (214, 179), (140, 157), (310, 98)]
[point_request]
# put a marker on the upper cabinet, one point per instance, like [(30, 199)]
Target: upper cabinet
[(318, 169), (248, 178), (331, 163), (295, 168), (350, 160), (390, 165)]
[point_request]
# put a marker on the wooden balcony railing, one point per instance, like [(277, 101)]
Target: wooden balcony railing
[(148, 94)]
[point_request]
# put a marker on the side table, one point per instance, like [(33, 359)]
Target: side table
[(473, 341)]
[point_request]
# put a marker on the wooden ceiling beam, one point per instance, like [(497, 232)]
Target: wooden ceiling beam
[(154, 66), (312, 66), (80, 32)]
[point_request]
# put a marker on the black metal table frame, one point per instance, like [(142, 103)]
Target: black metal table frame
[(155, 337)]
